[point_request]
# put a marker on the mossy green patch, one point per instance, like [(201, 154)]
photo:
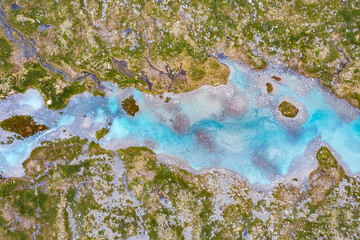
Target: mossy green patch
[(288, 110), (5, 53), (197, 74), (96, 149), (130, 106), (49, 151), (326, 159), (87, 187), (23, 125), (36, 76), (101, 133)]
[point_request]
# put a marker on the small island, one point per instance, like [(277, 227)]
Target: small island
[(288, 110), (101, 133), (23, 125), (269, 87), (129, 105)]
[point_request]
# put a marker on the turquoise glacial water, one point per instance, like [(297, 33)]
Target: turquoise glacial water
[(236, 126)]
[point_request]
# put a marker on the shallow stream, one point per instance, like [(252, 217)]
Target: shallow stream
[(236, 126)]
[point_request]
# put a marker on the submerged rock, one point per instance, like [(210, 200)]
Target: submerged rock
[(180, 123), (204, 138), (266, 166)]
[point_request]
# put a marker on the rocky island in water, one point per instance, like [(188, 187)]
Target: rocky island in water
[(179, 119)]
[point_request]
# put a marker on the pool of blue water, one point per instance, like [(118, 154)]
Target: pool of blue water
[(236, 126)]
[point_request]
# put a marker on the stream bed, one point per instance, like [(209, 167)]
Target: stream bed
[(235, 126)]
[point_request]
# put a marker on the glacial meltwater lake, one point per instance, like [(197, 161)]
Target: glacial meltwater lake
[(235, 126)]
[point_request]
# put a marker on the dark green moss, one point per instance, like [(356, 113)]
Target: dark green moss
[(66, 220), (22, 125), (67, 171), (3, 222), (86, 203), (167, 99), (27, 201), (356, 97), (101, 133)]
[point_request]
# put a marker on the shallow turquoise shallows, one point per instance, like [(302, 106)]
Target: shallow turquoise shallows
[(236, 126)]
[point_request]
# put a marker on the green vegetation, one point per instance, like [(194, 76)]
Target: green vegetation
[(197, 74), (4, 55), (326, 159), (323, 45), (129, 105), (83, 186), (50, 151), (7, 80), (37, 77), (23, 125), (75, 187), (101, 133), (288, 110), (156, 183), (168, 99), (95, 149)]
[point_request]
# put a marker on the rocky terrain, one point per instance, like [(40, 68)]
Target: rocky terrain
[(64, 48), (75, 189)]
